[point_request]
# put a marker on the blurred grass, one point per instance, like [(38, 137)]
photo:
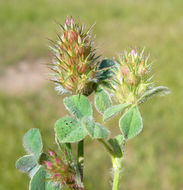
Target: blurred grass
[(154, 160)]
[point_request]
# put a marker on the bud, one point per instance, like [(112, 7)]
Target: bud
[(51, 153), (79, 40), (67, 21), (51, 177), (124, 70), (75, 64), (133, 54), (57, 175), (61, 172), (48, 164), (57, 161), (142, 70), (130, 78), (72, 21)]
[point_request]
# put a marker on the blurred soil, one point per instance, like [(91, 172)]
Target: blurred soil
[(24, 77)]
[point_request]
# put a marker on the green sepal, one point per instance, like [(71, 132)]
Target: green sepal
[(69, 130), (117, 144), (43, 157), (26, 163), (131, 123), (95, 130), (102, 100), (104, 69), (78, 106), (113, 110), (40, 181), (32, 142)]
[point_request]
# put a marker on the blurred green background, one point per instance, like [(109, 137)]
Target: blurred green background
[(153, 160)]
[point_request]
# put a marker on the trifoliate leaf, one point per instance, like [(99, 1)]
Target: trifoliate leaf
[(113, 110), (131, 123), (102, 101), (26, 163), (78, 105), (69, 130), (33, 145), (32, 142), (95, 130)]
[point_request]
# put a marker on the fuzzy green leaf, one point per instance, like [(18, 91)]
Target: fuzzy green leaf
[(78, 105), (32, 142), (40, 181), (69, 130), (102, 101), (160, 90), (131, 123), (95, 130), (26, 163), (113, 110)]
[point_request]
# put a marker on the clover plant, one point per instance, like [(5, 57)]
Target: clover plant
[(119, 87)]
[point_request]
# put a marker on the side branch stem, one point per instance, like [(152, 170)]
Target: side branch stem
[(81, 158), (116, 163)]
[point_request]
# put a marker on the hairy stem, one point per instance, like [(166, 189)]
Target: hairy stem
[(81, 158), (116, 180), (116, 162)]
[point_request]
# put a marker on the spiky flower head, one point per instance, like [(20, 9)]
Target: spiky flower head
[(131, 77), (75, 61), (61, 173)]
